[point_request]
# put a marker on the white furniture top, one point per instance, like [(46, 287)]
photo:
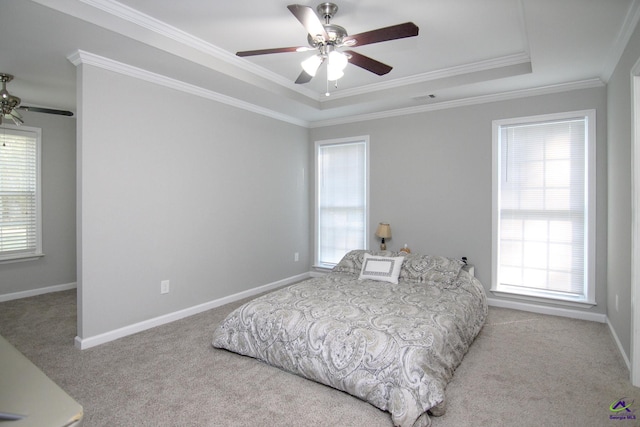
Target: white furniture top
[(25, 390)]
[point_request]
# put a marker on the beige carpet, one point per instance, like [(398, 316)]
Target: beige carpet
[(524, 369)]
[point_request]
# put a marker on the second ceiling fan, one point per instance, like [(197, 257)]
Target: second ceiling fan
[(9, 104), (328, 39)]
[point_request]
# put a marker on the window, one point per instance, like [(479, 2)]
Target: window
[(544, 206), (20, 218), (341, 198)]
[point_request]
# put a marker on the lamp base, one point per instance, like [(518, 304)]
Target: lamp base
[(383, 245)]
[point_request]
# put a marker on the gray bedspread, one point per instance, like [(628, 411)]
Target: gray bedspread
[(395, 346)]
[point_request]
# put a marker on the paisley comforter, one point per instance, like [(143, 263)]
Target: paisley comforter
[(393, 345)]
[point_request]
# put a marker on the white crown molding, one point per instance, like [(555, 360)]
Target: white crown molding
[(523, 28), (124, 12), (82, 57), (490, 64), (629, 25), (483, 99), (135, 17), (95, 11), (142, 20)]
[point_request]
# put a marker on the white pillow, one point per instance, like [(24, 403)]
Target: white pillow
[(383, 268)]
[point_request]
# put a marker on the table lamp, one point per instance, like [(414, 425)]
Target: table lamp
[(384, 232)]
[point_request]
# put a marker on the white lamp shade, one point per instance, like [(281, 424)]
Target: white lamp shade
[(338, 60), (334, 74), (311, 64)]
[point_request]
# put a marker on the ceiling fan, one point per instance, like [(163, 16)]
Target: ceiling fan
[(328, 39), (9, 104)]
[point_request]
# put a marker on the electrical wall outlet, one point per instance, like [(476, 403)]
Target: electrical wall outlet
[(296, 257), (164, 287)]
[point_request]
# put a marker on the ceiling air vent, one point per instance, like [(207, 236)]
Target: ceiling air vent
[(424, 98)]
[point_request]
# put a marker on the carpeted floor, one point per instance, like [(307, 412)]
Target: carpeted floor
[(524, 369)]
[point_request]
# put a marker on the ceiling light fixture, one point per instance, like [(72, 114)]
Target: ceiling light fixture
[(327, 45), (311, 64), (326, 38), (337, 63), (8, 102)]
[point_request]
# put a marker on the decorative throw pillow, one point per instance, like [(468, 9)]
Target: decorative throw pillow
[(383, 268), (427, 268), (351, 263)]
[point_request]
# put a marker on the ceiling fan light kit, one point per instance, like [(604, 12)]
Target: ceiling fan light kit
[(328, 39), (311, 64)]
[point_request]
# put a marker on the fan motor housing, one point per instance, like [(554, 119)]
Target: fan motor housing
[(336, 35), (327, 10)]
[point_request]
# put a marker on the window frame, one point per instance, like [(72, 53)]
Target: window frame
[(36, 252), (588, 295), (339, 141)]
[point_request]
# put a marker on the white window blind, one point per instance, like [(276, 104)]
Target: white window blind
[(19, 193), (544, 207), (341, 189)]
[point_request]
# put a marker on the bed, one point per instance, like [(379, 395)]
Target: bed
[(388, 328)]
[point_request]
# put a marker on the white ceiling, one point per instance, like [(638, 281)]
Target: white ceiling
[(466, 51)]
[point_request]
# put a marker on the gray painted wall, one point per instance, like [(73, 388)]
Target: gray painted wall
[(431, 177), (146, 169), (58, 266), (619, 95), (210, 197)]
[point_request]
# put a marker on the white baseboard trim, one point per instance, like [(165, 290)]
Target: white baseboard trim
[(619, 344), (84, 343), (317, 273), (39, 291), (543, 309)]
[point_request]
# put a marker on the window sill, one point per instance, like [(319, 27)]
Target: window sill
[(543, 298), (20, 258)]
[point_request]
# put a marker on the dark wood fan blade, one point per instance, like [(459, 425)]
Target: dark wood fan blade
[(303, 78), (400, 31), (309, 20), (368, 64), (267, 51), (46, 110)]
